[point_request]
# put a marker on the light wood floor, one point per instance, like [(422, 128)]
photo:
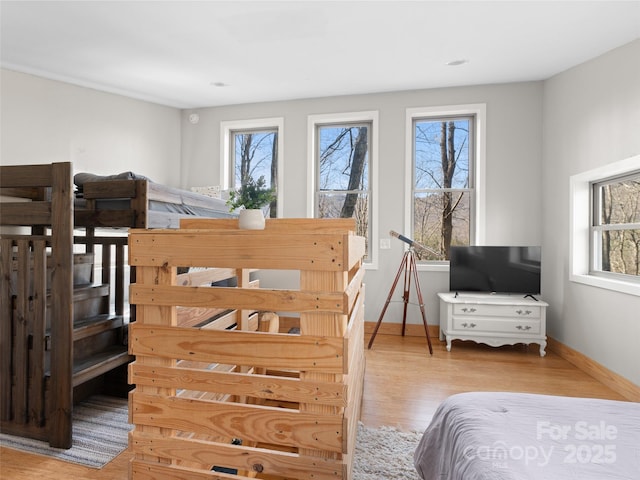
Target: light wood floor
[(403, 386)]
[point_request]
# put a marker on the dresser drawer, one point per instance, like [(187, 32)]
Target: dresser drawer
[(525, 326), (482, 310)]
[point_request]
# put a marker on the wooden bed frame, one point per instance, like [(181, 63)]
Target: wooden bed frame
[(142, 204), (63, 333)]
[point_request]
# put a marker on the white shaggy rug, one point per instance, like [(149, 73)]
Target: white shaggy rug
[(385, 453), (100, 431)]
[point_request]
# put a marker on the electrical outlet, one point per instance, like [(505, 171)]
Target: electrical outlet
[(385, 243)]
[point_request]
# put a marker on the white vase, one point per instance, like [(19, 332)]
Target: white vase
[(251, 219)]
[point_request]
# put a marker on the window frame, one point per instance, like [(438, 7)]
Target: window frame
[(581, 241), (228, 128), (478, 220), (597, 227), (370, 117)]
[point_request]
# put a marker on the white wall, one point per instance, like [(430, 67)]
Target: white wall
[(514, 154), (46, 121), (591, 118), (539, 134)]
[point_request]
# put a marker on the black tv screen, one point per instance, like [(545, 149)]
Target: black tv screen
[(495, 269)]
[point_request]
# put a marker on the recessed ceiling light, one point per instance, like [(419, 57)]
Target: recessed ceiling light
[(455, 63), (217, 84)]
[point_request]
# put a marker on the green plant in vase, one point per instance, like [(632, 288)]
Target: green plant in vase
[(253, 194), (249, 199)]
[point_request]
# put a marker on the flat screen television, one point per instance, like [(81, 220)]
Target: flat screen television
[(495, 269)]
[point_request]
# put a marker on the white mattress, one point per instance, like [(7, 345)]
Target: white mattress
[(514, 436)]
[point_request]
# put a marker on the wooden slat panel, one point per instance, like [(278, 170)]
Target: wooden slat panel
[(22, 192), (240, 298), (258, 349), (290, 226), (239, 249), (110, 189), (25, 175), (37, 412), (106, 276), (356, 250), (268, 462), (353, 289), (20, 359), (206, 276), (26, 213), (6, 318), (211, 223), (228, 321), (258, 386), (270, 425), (196, 316), (154, 471), (104, 218), (120, 280)]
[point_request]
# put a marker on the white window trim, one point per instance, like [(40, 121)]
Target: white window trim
[(479, 110), (225, 150), (580, 222), (367, 116)]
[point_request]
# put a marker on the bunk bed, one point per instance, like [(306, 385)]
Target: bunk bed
[(63, 332), (133, 201)]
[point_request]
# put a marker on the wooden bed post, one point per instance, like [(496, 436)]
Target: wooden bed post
[(61, 392)]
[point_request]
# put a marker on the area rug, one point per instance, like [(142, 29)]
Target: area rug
[(100, 433), (385, 453)]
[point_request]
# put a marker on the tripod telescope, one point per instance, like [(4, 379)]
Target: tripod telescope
[(408, 266)]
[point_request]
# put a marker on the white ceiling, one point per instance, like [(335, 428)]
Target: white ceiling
[(176, 52)]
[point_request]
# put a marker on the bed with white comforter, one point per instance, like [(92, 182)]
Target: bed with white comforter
[(515, 436)]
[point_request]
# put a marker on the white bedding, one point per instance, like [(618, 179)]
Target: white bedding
[(514, 436)]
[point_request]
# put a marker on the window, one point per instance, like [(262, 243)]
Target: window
[(444, 158), (615, 227), (343, 164), (605, 226), (253, 149)]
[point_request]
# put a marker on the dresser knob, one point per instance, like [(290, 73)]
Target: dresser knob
[(523, 327)]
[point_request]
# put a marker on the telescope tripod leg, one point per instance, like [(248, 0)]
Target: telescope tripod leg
[(421, 302), (407, 290), (403, 264)]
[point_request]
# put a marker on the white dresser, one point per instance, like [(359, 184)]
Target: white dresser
[(493, 319)]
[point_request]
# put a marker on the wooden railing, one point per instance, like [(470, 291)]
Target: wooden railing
[(29, 406)]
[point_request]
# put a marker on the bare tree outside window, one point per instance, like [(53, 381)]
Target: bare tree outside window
[(343, 174), (442, 184), (255, 154), (616, 226)]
